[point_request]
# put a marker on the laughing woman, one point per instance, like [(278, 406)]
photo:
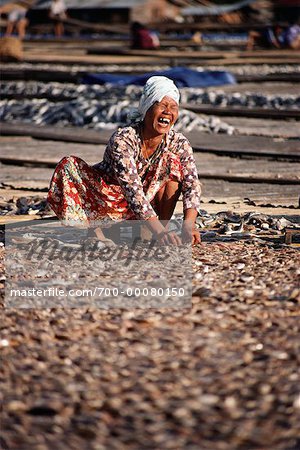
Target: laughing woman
[(144, 169)]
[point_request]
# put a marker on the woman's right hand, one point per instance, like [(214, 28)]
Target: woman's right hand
[(169, 238), (161, 234)]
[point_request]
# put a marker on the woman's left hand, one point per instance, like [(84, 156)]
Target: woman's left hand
[(189, 234)]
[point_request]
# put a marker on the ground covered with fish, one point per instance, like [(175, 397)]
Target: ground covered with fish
[(93, 106), (222, 374)]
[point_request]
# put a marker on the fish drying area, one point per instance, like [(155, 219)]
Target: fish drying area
[(258, 163), (222, 374)]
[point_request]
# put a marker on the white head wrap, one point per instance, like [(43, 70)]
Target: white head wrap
[(155, 89)]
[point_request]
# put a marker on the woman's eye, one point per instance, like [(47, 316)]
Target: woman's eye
[(171, 108)]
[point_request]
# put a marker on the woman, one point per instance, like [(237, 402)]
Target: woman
[(145, 168), (58, 14), (16, 19), (143, 38)]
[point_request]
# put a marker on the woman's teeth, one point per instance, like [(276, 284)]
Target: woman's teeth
[(164, 120)]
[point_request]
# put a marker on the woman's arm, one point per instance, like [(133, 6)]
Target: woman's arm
[(191, 188), (161, 233), (191, 191), (189, 233)]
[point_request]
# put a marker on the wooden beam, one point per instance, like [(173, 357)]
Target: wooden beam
[(153, 57), (203, 142), (264, 113), (66, 134)]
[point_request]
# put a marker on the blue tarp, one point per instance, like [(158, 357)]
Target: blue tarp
[(213, 10), (182, 77)]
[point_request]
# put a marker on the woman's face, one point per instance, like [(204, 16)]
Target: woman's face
[(161, 116)]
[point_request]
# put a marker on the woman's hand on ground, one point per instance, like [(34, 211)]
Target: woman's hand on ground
[(189, 234), (169, 238)]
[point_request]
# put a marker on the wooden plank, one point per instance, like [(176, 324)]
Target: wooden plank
[(228, 165), (46, 153), (244, 145), (210, 166), (154, 58), (15, 219), (247, 170), (122, 46), (230, 61), (204, 142), (37, 178), (260, 193), (250, 177), (90, 59), (208, 163), (243, 111), (8, 74), (67, 134), (265, 88), (113, 45), (291, 77), (202, 54), (267, 127), (20, 177), (7, 194), (212, 25)]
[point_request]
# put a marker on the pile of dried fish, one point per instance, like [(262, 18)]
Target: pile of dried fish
[(25, 205), (230, 223), (222, 374), (220, 226), (257, 69), (230, 226), (88, 106), (246, 69), (217, 97), (124, 96)]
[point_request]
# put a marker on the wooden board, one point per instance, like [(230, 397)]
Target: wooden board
[(245, 145), (265, 88), (154, 58), (8, 194), (221, 191), (204, 142), (202, 54), (210, 166), (243, 111), (20, 177), (208, 163), (46, 153), (247, 170), (267, 127), (65, 134), (74, 76), (122, 46), (15, 219)]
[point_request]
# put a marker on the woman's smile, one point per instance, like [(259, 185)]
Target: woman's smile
[(163, 115)]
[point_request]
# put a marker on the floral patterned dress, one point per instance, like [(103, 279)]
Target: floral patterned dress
[(124, 184)]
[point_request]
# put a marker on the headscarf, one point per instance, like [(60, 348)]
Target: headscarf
[(155, 89)]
